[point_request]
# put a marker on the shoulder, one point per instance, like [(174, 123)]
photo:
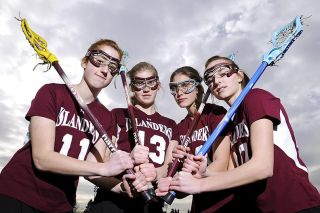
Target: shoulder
[(165, 119), (185, 119), (259, 104), (119, 113), (53, 88), (214, 108), (118, 110), (259, 94)]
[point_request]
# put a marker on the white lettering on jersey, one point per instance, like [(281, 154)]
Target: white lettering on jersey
[(198, 135), (239, 143), (67, 140), (155, 126), (157, 157), (76, 122)]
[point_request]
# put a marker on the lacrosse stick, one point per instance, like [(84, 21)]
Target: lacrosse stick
[(170, 196), (282, 39), (123, 70), (132, 117), (39, 44)]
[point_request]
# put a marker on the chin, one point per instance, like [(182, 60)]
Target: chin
[(183, 105)]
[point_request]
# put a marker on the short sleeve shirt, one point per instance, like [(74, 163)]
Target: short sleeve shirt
[(155, 132), (289, 189), (74, 136)]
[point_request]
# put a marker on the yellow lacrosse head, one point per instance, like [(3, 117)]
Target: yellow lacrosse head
[(38, 43)]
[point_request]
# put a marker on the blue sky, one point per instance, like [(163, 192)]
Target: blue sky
[(168, 34)]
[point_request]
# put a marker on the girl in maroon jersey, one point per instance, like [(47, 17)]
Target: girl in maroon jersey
[(185, 86), (269, 172), (43, 175), (155, 132)]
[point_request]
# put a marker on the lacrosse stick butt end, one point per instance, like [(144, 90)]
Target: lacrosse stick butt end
[(169, 197), (151, 192), (146, 196)]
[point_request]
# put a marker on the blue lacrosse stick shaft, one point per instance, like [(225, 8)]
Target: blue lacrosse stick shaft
[(223, 123)]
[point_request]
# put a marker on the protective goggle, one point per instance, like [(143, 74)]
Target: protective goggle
[(100, 58), (138, 84), (219, 71), (186, 86)]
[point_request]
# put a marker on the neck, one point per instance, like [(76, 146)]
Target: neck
[(233, 98), (87, 94), (192, 109), (149, 110)]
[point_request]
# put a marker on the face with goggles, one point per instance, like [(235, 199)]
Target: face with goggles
[(185, 86), (184, 90), (219, 70), (138, 84), (224, 80), (144, 85), (99, 58)]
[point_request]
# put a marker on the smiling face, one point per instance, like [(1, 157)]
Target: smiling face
[(226, 83), (183, 99), (98, 77)]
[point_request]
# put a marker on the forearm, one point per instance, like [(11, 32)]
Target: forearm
[(161, 171), (61, 164), (107, 183), (247, 173)]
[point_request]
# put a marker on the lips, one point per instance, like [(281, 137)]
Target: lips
[(146, 96), (180, 100), (220, 89), (102, 76)]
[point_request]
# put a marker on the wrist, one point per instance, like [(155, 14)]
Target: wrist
[(202, 186), (102, 169), (205, 173)]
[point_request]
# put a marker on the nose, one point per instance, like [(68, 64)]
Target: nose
[(146, 88), (104, 70), (178, 91), (216, 80)]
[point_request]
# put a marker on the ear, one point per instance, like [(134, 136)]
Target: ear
[(240, 75), (84, 64), (159, 86), (130, 87)]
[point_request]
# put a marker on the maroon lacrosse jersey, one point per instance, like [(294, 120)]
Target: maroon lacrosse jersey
[(155, 132), (47, 191), (289, 189), (210, 118)]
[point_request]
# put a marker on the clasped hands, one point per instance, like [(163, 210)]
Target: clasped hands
[(187, 180)]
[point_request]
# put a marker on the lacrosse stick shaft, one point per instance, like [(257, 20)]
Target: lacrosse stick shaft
[(84, 106), (132, 118), (282, 39), (39, 44), (130, 109), (170, 196), (220, 127), (188, 136), (93, 119)]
